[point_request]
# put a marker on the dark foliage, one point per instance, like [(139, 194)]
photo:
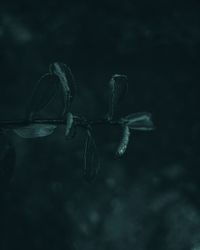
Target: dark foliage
[(149, 198)]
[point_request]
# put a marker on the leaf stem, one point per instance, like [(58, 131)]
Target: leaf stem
[(13, 124)]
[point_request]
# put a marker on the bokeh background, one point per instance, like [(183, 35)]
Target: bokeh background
[(148, 199)]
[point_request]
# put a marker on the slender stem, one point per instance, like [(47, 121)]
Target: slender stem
[(12, 124)]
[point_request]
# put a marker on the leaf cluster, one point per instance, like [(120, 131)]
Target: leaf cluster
[(60, 80)]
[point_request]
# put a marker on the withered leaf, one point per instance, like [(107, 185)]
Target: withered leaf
[(91, 158), (35, 130)]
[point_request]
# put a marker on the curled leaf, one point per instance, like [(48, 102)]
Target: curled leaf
[(118, 87), (69, 124), (67, 82), (91, 158), (139, 121), (43, 94), (124, 141), (35, 130)]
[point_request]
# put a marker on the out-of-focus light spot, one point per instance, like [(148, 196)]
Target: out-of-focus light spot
[(111, 183), (84, 228), (196, 248), (94, 217), (17, 30), (117, 206)]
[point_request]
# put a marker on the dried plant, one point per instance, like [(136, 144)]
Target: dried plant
[(60, 79)]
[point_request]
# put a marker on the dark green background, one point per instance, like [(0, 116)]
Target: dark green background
[(149, 199)]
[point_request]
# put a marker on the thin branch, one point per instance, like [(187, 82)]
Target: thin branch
[(13, 124)]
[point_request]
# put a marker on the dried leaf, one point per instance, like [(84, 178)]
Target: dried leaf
[(67, 82), (139, 121), (91, 158), (43, 94), (69, 125), (124, 141), (118, 87), (35, 130)]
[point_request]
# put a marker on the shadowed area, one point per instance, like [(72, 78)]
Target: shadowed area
[(147, 199)]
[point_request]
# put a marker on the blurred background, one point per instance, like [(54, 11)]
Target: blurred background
[(149, 198)]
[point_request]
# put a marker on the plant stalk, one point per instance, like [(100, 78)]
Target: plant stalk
[(13, 124)]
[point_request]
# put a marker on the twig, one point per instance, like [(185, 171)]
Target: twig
[(13, 124)]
